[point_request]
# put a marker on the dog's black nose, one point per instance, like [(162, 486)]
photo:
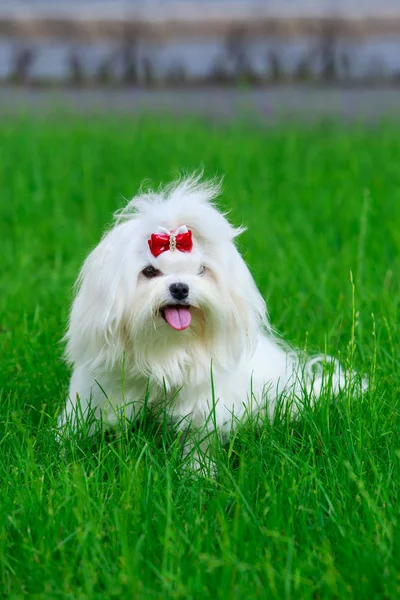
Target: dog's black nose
[(179, 291)]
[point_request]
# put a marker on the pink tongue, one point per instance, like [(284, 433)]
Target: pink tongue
[(178, 317)]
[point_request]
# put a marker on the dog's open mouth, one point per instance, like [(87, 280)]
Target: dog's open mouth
[(177, 316)]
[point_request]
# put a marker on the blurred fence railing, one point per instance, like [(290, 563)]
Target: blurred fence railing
[(155, 19)]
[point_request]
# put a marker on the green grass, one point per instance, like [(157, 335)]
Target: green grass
[(306, 509)]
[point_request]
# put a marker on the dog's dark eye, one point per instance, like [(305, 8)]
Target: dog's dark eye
[(202, 270), (151, 272)]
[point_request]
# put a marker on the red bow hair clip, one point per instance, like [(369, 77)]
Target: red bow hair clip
[(178, 239)]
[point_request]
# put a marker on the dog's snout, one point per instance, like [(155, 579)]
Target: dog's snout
[(179, 291)]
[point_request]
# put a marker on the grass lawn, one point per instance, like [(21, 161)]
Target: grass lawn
[(306, 509)]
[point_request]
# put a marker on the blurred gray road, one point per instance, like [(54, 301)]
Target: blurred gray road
[(267, 104)]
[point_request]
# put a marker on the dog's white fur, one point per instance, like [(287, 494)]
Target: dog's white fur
[(226, 364)]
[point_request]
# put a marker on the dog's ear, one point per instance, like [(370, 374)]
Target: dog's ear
[(240, 313), (250, 309), (96, 320)]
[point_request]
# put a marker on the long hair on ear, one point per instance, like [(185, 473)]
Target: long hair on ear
[(103, 289), (240, 313)]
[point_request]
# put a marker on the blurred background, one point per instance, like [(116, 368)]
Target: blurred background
[(161, 45), (165, 42)]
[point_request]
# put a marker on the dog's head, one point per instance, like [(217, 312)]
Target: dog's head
[(167, 289)]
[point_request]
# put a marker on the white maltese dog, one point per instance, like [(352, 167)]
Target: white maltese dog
[(167, 314)]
